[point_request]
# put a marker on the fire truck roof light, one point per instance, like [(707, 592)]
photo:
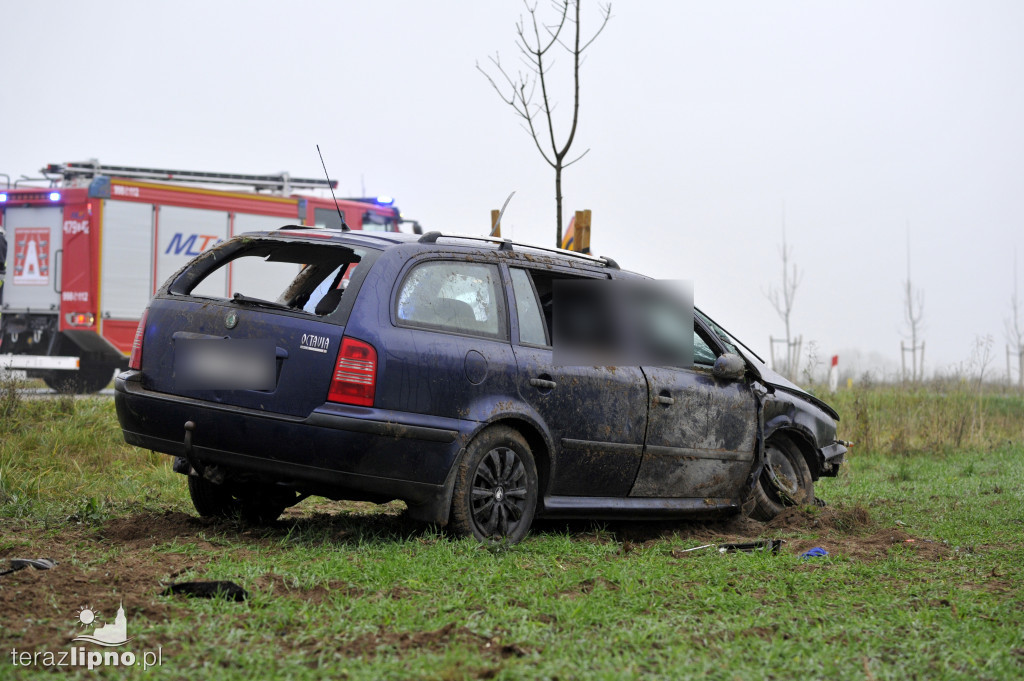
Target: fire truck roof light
[(385, 200), (55, 196), (3, 198)]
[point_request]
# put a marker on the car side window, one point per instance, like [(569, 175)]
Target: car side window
[(543, 284), (461, 297), (532, 329), (703, 355)]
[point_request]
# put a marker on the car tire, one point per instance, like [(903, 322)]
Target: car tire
[(495, 495), (785, 481), (222, 501), (90, 378)]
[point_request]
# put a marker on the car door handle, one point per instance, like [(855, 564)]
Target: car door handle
[(543, 383), (665, 399)]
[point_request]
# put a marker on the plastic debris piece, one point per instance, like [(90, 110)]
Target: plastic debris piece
[(695, 548), (816, 552), (37, 563), (22, 563), (772, 545), (229, 591)]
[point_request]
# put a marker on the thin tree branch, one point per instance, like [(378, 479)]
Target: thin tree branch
[(566, 165), (534, 42)]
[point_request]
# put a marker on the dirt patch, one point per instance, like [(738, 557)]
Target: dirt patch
[(877, 545), (850, 532), (841, 519), (97, 568), (40, 608), (384, 641), (147, 529)]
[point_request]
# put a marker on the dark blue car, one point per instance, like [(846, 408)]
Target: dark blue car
[(381, 366)]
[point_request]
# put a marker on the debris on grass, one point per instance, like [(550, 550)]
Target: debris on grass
[(228, 591), (772, 545), (22, 563)]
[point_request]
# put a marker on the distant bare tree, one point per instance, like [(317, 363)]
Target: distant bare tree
[(535, 40), (782, 301), (913, 317), (1014, 333)]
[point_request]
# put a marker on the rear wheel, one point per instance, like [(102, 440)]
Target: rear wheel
[(495, 494), (253, 503), (785, 481)]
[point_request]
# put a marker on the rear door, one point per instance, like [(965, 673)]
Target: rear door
[(595, 414), (33, 245), (442, 340)]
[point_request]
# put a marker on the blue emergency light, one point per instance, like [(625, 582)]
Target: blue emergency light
[(385, 200), (3, 198), (55, 196)]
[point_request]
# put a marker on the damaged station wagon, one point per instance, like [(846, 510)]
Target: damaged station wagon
[(382, 366)]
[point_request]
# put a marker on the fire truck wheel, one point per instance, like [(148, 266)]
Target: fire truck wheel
[(90, 378)]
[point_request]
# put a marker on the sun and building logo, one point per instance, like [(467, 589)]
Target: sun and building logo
[(114, 634), (109, 635)]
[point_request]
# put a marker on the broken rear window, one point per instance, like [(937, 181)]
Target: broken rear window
[(287, 275)]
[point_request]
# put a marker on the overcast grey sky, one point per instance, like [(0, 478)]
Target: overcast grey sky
[(706, 121)]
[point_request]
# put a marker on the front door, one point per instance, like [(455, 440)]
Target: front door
[(701, 433)]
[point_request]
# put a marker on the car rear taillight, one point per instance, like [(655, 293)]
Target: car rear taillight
[(355, 374), (135, 361)]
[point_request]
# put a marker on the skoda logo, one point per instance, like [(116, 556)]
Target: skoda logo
[(231, 321)]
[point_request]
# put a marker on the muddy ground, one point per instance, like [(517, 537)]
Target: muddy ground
[(38, 607)]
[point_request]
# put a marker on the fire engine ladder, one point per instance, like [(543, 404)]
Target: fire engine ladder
[(281, 184)]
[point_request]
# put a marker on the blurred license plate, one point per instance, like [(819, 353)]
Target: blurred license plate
[(224, 364)]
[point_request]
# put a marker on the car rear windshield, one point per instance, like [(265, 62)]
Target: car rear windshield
[(296, 276)]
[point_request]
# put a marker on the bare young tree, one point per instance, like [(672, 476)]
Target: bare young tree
[(782, 301), (1015, 333), (913, 317), (535, 40)]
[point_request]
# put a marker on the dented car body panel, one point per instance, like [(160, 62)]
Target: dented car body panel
[(456, 340)]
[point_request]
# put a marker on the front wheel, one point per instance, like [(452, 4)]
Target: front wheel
[(495, 494), (785, 481)]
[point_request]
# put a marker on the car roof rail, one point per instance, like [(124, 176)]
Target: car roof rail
[(507, 245), (432, 237)]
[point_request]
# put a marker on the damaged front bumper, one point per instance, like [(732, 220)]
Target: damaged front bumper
[(832, 457)]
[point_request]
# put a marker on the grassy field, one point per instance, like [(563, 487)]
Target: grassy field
[(923, 580)]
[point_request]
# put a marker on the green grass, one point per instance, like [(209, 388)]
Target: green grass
[(63, 456), (353, 591), (950, 416)]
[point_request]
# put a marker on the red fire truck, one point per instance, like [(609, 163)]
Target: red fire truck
[(86, 253)]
